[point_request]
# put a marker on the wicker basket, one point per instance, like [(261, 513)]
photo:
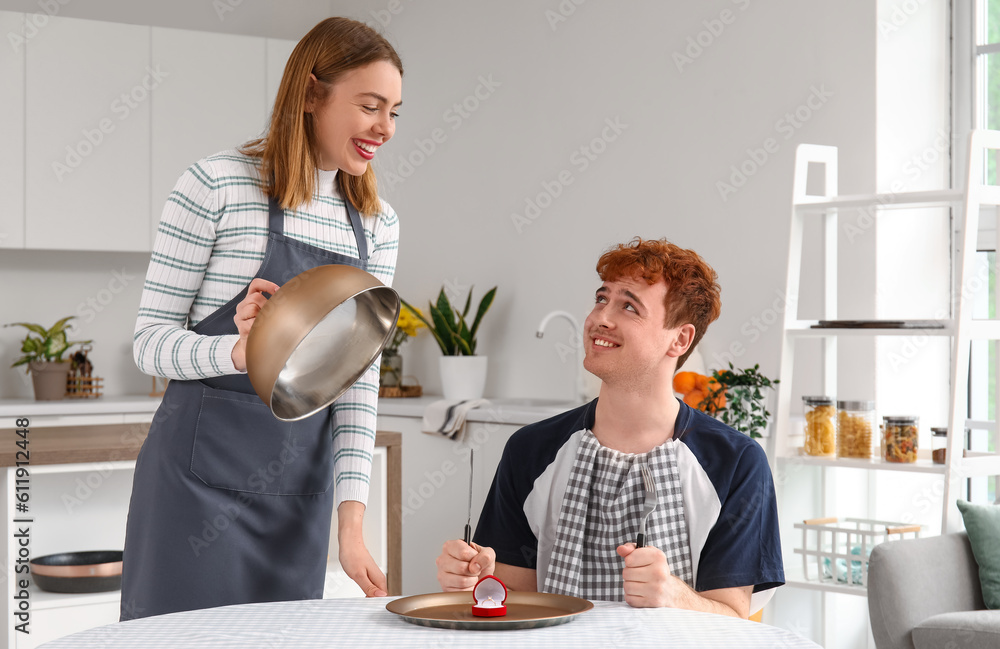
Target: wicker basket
[(401, 391), (83, 387), (836, 552)]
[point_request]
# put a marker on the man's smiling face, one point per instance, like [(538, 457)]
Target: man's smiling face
[(625, 340)]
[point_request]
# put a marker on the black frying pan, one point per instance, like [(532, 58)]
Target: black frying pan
[(78, 572)]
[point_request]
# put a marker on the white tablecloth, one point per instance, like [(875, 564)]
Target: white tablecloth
[(366, 623)]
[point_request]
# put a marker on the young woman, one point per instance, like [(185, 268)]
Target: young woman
[(230, 505)]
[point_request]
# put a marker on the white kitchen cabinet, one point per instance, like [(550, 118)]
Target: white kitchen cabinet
[(81, 468), (213, 98), (87, 130), (73, 507), (278, 51), (12, 132)]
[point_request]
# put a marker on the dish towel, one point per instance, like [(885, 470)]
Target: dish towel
[(447, 416)]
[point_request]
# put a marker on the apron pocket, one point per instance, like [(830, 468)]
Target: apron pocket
[(240, 446)]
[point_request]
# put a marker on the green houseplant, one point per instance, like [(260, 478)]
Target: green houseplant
[(450, 327), (741, 392), (42, 351), (463, 373)]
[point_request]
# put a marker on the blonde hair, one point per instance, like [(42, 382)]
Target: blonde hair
[(289, 154)]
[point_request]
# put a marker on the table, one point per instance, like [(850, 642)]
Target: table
[(366, 623)]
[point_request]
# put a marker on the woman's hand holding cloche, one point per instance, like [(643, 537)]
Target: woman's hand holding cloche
[(246, 313)]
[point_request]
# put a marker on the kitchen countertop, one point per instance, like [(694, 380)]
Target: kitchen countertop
[(66, 444), (514, 411), (68, 407)]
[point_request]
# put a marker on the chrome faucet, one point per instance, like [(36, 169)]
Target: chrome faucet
[(580, 389)]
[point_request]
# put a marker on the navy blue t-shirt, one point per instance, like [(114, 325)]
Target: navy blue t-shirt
[(728, 494)]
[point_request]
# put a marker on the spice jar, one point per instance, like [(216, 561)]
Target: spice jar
[(900, 439), (855, 421), (820, 429), (939, 445)]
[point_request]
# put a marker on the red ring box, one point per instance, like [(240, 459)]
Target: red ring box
[(490, 594)]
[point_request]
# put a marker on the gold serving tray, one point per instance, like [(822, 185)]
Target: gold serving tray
[(454, 611)]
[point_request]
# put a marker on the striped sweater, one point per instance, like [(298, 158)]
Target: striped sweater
[(209, 245)]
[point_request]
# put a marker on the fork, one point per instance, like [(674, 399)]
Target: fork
[(652, 500)]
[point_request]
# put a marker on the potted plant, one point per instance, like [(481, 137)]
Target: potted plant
[(733, 396), (391, 367), (42, 351), (463, 373)]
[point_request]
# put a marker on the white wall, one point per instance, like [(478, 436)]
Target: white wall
[(551, 88), (558, 84)]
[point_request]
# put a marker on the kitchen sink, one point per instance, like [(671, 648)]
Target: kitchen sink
[(530, 403)]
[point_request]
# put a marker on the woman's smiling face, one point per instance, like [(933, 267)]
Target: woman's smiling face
[(357, 116)]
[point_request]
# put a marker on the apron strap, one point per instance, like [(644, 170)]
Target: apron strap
[(359, 231), (275, 216)]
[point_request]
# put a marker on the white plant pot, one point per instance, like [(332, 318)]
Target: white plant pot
[(463, 377)]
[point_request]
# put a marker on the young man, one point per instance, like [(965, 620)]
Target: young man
[(567, 497)]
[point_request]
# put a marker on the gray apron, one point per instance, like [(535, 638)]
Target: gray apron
[(229, 504)]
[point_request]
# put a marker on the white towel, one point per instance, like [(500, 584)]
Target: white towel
[(447, 416)]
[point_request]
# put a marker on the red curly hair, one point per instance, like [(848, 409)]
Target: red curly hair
[(692, 289)]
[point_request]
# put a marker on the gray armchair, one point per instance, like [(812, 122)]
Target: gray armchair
[(925, 593)]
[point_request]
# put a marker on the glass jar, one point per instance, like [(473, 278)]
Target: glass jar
[(820, 429), (939, 445), (855, 422), (900, 439), (391, 370)]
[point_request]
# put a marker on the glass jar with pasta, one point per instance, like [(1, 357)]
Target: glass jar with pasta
[(900, 438), (855, 422), (820, 431)]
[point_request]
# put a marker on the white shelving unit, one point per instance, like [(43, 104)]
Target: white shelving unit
[(960, 328)]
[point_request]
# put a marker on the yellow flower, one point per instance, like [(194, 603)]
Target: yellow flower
[(408, 322)]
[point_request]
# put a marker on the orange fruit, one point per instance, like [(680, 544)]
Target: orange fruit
[(684, 382), (701, 382), (694, 398)]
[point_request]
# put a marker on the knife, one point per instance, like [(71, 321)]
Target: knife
[(468, 521)]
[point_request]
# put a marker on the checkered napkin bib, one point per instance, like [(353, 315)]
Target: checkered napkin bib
[(602, 509)]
